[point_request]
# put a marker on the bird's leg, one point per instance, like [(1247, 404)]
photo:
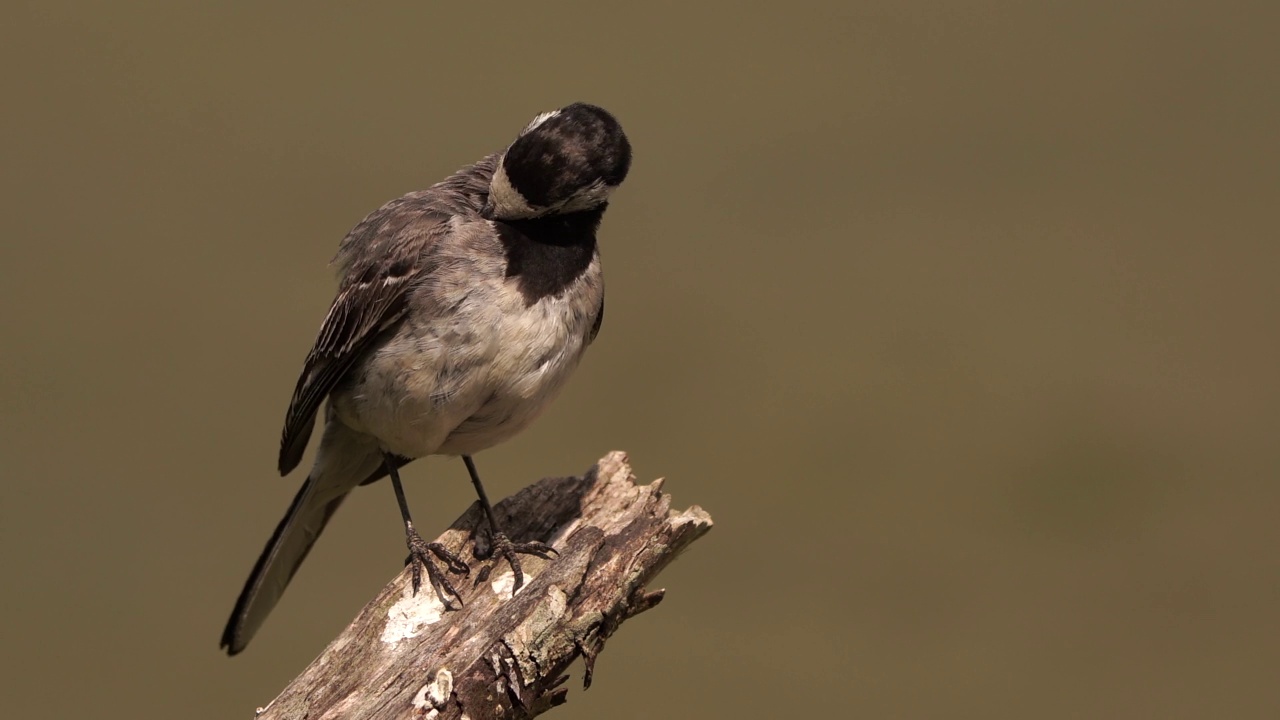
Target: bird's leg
[(420, 551), (501, 544)]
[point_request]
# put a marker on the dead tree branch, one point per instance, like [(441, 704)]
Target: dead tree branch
[(405, 656)]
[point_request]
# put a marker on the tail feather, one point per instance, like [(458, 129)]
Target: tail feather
[(280, 559), (345, 458)]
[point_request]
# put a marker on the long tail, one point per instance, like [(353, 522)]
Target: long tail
[(280, 559), (344, 460)]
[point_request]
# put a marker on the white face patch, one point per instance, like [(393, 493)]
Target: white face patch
[(508, 203), (539, 120), (587, 198)]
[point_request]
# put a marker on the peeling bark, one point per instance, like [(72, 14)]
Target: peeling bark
[(405, 656)]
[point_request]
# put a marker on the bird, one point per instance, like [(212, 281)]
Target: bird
[(461, 311)]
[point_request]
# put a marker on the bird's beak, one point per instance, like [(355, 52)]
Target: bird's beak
[(486, 212)]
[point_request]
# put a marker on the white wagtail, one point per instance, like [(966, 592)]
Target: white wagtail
[(461, 311)]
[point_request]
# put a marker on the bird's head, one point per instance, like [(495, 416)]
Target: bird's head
[(564, 161)]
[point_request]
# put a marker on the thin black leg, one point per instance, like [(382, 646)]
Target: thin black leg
[(420, 551), (502, 545)]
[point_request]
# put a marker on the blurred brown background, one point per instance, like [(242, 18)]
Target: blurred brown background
[(960, 318)]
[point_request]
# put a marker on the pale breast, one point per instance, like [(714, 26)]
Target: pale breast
[(463, 382), (541, 346)]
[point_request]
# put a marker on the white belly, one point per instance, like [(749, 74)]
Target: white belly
[(524, 378), (459, 387)]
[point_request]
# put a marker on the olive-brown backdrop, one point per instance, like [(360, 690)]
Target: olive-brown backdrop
[(959, 317)]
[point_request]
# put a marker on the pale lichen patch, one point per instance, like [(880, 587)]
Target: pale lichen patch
[(557, 601), (433, 696), (503, 584), (411, 614)]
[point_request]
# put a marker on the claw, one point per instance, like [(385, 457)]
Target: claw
[(420, 553), (509, 551), (454, 562), (538, 549)]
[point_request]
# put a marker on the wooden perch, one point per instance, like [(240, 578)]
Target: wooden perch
[(405, 656)]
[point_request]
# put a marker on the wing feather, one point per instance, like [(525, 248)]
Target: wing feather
[(380, 261)]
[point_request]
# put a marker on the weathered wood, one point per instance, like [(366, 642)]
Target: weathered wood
[(405, 656)]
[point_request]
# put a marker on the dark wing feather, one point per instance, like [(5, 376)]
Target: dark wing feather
[(380, 261), (595, 326)]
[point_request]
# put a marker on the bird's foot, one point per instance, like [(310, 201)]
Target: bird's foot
[(502, 547), (420, 558)]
